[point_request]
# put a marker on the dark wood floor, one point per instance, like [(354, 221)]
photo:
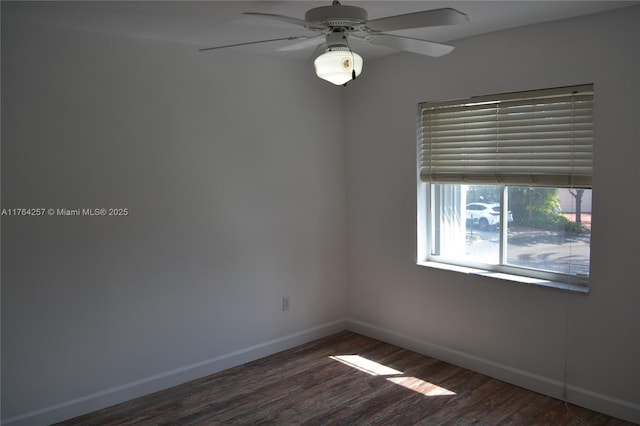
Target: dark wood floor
[(346, 379)]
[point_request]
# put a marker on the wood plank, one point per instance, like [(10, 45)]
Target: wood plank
[(305, 385)]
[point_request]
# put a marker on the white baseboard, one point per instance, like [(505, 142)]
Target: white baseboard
[(583, 397), (147, 385)]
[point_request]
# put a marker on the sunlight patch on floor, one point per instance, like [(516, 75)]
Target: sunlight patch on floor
[(420, 386), (365, 365), (397, 377)]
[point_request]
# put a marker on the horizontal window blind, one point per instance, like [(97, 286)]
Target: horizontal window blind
[(537, 138)]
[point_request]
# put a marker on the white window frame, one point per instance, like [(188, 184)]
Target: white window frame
[(578, 175)]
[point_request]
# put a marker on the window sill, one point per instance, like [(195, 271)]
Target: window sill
[(508, 277)]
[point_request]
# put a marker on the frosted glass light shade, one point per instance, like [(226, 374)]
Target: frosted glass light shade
[(337, 66)]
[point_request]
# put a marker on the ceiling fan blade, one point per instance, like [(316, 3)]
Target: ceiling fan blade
[(252, 42), (296, 21), (409, 44), (427, 18), (310, 41)]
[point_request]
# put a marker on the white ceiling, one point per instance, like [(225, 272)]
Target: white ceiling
[(212, 23)]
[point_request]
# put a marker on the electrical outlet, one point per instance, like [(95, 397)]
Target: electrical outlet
[(285, 303)]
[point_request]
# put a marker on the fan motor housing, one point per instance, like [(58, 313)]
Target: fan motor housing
[(337, 16)]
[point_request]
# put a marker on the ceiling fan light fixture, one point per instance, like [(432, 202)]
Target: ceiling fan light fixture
[(337, 66)]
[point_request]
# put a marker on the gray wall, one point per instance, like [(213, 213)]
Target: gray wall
[(235, 187), (238, 196), (519, 332)]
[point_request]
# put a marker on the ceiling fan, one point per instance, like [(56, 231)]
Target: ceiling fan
[(336, 62)]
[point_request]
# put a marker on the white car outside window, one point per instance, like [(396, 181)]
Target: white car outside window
[(485, 215)]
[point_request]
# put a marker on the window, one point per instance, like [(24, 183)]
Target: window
[(505, 185)]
